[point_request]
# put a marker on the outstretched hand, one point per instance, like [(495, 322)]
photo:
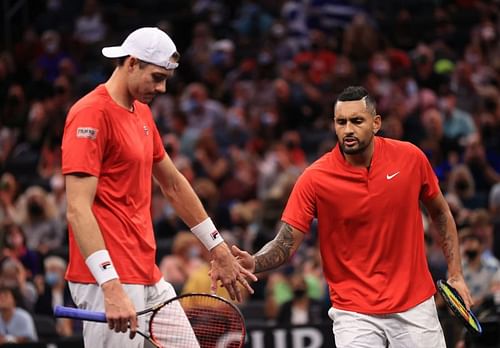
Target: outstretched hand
[(226, 269), (244, 258)]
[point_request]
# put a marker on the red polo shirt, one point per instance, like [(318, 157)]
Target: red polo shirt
[(370, 226), (118, 147)]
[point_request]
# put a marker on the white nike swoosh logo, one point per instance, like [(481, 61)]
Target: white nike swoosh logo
[(389, 177)]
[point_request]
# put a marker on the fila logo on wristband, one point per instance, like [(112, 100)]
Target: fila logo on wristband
[(106, 265), (214, 234), (207, 233), (101, 266)]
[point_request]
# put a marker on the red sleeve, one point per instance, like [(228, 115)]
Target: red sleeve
[(158, 148), (429, 181), (301, 206), (84, 142)]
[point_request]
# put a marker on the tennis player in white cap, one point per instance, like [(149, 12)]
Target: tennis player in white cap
[(111, 149)]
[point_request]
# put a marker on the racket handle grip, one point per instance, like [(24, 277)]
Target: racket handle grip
[(76, 313)]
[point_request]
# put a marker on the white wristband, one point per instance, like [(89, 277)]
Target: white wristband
[(101, 266), (207, 233)]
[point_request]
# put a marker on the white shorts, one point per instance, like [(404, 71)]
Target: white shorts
[(98, 335), (417, 327)]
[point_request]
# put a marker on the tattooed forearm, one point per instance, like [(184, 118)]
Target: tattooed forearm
[(441, 222), (449, 240), (276, 252)]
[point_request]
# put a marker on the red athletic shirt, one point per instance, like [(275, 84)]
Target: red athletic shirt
[(370, 226), (118, 147)]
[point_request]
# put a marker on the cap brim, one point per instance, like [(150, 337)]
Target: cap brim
[(113, 52)]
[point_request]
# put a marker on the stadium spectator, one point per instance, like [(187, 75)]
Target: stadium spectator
[(13, 275), (53, 291), (481, 272), (14, 244), (185, 257), (16, 324), (301, 309), (39, 220)]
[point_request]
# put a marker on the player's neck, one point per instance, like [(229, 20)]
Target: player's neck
[(363, 159), (118, 90)]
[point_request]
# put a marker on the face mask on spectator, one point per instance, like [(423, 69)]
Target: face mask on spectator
[(35, 209), (52, 278), (299, 293), (191, 105), (462, 185), (193, 252), (471, 254)]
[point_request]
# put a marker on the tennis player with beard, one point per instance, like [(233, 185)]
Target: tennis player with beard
[(111, 152), (366, 196)]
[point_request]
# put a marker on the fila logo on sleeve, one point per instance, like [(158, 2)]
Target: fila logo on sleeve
[(214, 234), (86, 132)]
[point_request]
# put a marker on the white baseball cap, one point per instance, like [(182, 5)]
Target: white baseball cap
[(148, 44)]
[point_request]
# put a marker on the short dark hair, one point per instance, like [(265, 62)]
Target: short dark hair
[(121, 60), (353, 93)]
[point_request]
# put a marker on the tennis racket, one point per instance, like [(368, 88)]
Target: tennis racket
[(457, 305), (189, 320)]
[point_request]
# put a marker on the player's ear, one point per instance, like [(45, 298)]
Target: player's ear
[(131, 62), (377, 123)]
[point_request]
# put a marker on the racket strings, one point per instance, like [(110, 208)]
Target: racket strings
[(197, 321)]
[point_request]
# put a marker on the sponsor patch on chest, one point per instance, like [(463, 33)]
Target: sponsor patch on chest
[(86, 132)]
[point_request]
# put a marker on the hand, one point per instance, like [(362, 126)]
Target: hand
[(39, 282), (21, 275), (119, 309), (246, 260), (458, 283), (226, 268), (64, 327)]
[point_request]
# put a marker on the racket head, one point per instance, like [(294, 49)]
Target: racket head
[(455, 302), (215, 322)]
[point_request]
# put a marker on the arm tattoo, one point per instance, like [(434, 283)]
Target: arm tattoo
[(276, 252), (441, 222)]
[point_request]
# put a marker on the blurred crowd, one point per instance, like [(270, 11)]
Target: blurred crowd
[(248, 109)]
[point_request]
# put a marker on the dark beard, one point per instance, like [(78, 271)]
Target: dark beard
[(354, 151)]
